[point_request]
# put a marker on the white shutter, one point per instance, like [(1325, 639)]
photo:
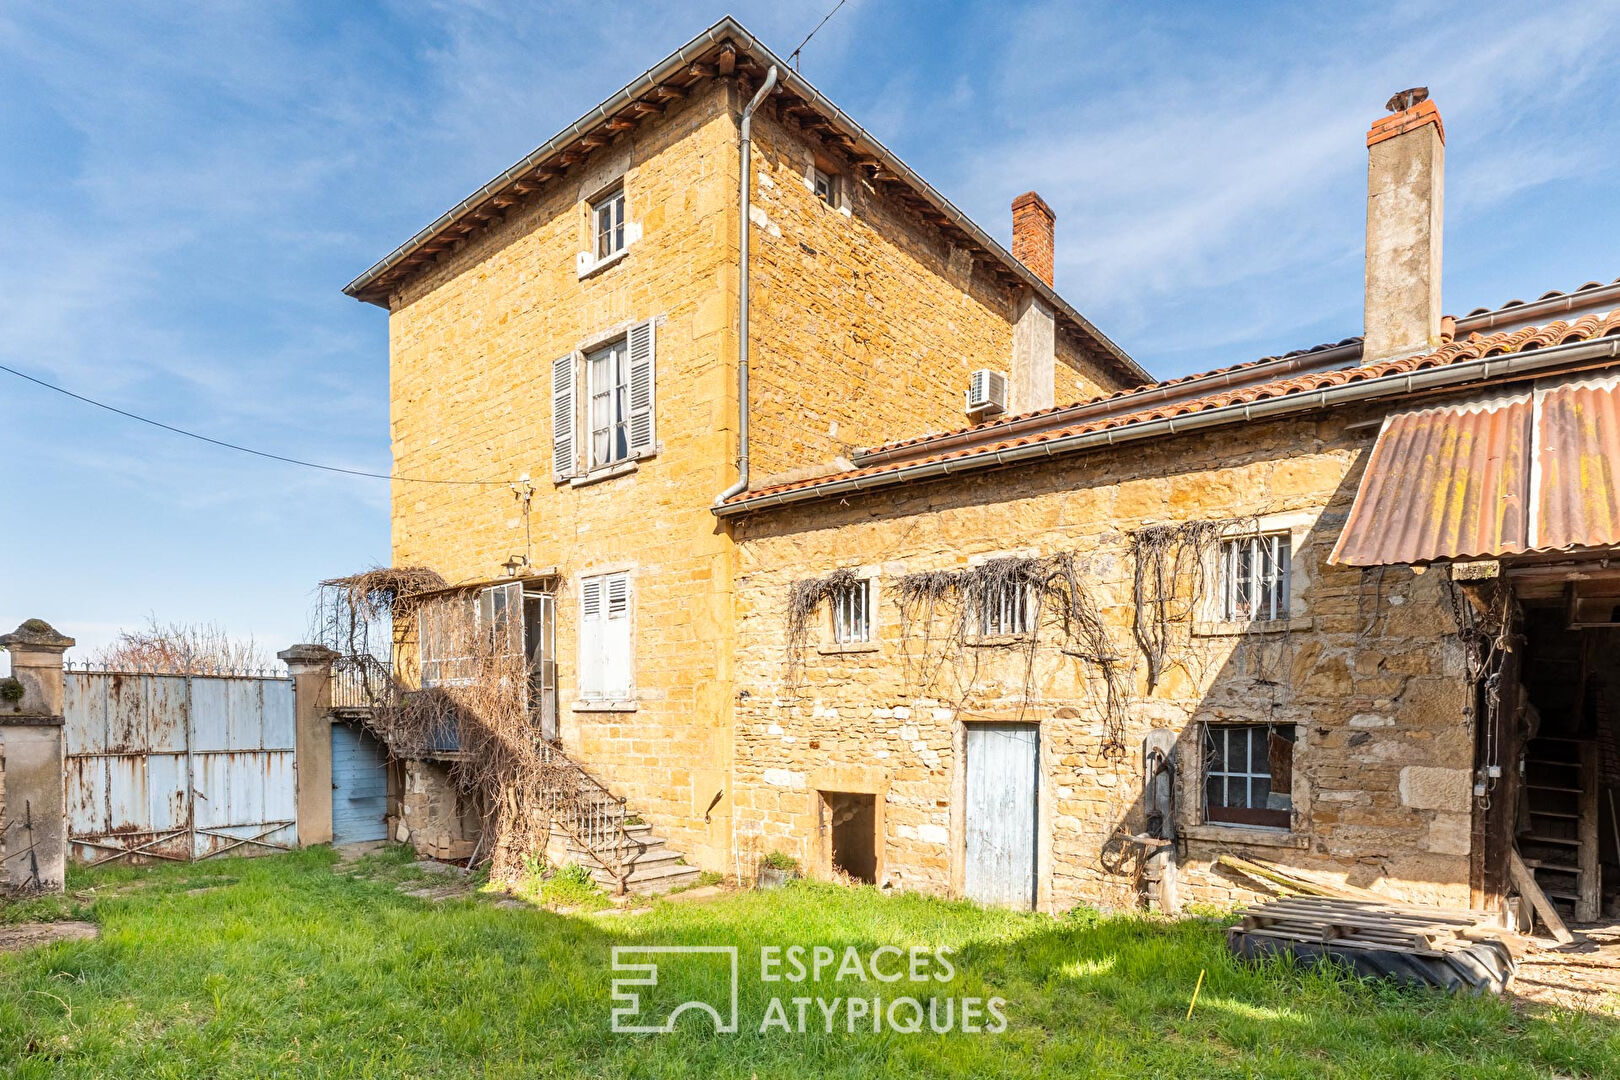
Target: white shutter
[(564, 456), (590, 637), (643, 387), (616, 639)]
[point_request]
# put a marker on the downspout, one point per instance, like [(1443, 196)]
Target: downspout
[(742, 289)]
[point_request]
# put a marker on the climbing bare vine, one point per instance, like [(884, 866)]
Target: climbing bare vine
[(941, 613), (804, 598), (1170, 583)]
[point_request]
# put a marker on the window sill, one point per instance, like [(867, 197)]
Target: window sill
[(603, 705), (609, 472), (587, 267), (852, 647), (1247, 835), (993, 641), (1242, 628)]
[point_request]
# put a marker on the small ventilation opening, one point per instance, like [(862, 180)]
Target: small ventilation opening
[(853, 820)]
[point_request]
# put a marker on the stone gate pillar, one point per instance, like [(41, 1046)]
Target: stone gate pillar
[(33, 812), (311, 669)]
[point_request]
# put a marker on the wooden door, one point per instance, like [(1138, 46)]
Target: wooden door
[(1003, 789)]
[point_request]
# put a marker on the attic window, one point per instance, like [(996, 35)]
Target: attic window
[(607, 217), (825, 185)]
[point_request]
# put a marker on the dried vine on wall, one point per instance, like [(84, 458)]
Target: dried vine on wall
[(804, 598), (481, 710), (943, 608), (1169, 585)]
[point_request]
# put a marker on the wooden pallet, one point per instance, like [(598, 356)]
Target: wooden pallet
[(1375, 925)]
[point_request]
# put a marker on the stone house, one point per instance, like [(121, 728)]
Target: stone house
[(835, 530), (570, 334), (1349, 610)]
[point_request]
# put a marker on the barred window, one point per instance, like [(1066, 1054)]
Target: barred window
[(852, 614), (1255, 572), (1248, 774), (1006, 609)]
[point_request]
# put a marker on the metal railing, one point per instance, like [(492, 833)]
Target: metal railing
[(360, 682), (591, 815)]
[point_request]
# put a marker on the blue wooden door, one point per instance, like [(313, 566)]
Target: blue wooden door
[(1003, 786), (359, 787)]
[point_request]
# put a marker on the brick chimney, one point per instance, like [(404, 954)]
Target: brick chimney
[(1406, 166), (1032, 234)]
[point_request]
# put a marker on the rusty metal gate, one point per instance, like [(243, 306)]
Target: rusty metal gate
[(178, 767)]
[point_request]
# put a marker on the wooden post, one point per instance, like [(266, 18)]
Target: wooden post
[(1525, 882), (1589, 903)]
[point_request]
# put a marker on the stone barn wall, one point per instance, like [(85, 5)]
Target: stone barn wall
[(1365, 667)]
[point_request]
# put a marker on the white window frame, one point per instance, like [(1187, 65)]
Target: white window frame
[(609, 231), (612, 624), (1243, 775), (824, 185), (1256, 577), (851, 611), (616, 399)]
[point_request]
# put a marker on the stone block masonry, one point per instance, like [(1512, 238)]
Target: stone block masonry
[(1365, 671)]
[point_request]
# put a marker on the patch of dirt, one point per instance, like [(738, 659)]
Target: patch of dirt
[(1585, 975), (32, 935), (699, 894)]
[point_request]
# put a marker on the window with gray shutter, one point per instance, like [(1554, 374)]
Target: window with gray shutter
[(643, 387), (563, 453)]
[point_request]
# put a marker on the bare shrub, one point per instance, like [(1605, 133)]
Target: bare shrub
[(181, 648)]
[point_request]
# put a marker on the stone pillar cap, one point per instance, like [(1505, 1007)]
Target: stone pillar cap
[(36, 633), (307, 654)]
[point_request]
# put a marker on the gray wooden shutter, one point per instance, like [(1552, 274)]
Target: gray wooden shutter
[(564, 457), (643, 386)]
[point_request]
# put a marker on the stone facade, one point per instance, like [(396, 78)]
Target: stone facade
[(433, 815), (861, 313), (1365, 668)]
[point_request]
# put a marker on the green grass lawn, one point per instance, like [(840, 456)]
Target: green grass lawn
[(280, 966)]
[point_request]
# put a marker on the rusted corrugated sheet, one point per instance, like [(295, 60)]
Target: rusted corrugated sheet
[(1535, 471), (1578, 465), (1444, 483)]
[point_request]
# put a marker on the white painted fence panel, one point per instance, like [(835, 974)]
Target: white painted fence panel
[(177, 767)]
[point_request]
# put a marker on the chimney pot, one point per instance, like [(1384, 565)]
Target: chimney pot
[(1033, 232)]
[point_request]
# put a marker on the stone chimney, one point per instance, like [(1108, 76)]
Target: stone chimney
[(1032, 234), (1406, 167)]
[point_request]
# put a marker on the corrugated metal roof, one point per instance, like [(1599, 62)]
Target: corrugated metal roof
[(1577, 479), (1504, 475), (1444, 483)]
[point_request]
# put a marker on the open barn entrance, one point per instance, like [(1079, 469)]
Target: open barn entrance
[(1560, 703)]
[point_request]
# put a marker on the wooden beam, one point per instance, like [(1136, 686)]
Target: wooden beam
[(703, 71), (728, 60), (524, 187), (667, 92), (620, 123), (1525, 882), (645, 108)]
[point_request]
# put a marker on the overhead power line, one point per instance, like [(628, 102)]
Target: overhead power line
[(793, 57), (233, 446)]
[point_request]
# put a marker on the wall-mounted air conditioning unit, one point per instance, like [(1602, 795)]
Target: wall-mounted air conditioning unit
[(987, 393)]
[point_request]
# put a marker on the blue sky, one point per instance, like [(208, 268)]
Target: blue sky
[(186, 189)]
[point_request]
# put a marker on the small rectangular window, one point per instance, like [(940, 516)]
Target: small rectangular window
[(1006, 609), (607, 217), (1255, 573), (1248, 774), (852, 614), (825, 185)]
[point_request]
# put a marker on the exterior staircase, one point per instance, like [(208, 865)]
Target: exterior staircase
[(590, 827)]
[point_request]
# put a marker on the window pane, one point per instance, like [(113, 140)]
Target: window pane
[(1260, 792), (1259, 752), (1215, 791)]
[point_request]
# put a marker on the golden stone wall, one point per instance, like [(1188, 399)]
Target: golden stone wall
[(1366, 668), (873, 327)]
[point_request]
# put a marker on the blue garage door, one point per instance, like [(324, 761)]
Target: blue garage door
[(359, 787)]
